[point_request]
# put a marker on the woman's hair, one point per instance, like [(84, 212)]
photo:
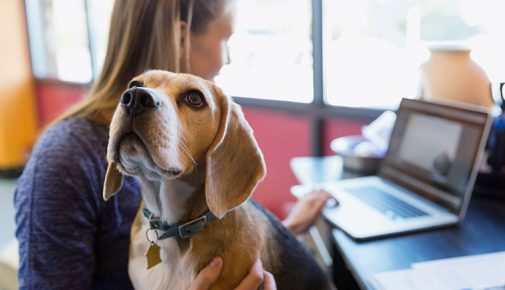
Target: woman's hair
[(143, 34)]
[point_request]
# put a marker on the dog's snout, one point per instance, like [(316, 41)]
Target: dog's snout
[(138, 100)]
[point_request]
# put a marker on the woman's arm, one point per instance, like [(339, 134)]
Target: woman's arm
[(57, 202), (55, 228)]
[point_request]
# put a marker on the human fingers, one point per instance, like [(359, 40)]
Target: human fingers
[(312, 210), (207, 275), (269, 281), (321, 196), (254, 279)]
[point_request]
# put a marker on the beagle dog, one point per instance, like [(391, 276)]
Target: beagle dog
[(198, 163)]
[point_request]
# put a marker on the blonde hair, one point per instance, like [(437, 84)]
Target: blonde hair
[(144, 34)]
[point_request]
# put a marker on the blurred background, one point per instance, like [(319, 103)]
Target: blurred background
[(305, 71)]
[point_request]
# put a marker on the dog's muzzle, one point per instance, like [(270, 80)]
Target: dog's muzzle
[(138, 100)]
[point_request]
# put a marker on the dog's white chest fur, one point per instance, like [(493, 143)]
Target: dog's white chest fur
[(172, 273)]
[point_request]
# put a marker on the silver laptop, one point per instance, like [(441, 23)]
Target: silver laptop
[(426, 178)]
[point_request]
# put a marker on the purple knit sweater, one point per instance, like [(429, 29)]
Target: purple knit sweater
[(69, 238)]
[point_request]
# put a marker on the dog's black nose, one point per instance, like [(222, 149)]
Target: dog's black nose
[(138, 100)]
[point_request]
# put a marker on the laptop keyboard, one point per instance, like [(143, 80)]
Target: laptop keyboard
[(386, 203)]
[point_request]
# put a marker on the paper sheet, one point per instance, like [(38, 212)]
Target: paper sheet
[(477, 272), (407, 280)]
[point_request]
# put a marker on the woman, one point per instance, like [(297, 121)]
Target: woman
[(69, 238)]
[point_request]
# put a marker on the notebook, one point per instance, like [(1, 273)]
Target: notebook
[(427, 175)]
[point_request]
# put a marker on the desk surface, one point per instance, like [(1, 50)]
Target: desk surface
[(482, 231)]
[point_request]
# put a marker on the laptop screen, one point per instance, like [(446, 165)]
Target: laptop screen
[(435, 150)]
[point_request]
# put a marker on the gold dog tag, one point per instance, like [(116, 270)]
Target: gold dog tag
[(153, 255)]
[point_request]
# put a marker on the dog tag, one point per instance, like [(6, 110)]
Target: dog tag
[(153, 255)]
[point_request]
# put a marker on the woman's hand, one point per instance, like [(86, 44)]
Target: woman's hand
[(306, 211), (252, 281)]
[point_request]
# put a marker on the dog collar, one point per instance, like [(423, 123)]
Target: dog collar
[(181, 230)]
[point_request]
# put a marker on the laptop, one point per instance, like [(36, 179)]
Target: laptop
[(426, 178)]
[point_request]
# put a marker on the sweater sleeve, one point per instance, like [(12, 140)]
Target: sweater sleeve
[(56, 213)]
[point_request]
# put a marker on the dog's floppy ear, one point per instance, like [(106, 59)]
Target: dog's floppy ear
[(234, 162), (113, 181)]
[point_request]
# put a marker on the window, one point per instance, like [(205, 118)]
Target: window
[(63, 45), (271, 51), (373, 48), (275, 52), (59, 40), (99, 18)]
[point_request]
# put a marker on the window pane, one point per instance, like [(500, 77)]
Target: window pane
[(373, 48), (99, 20), (58, 39), (271, 52)]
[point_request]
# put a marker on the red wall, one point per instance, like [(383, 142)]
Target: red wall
[(281, 136), (53, 99)]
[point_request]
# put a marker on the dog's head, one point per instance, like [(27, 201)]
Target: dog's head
[(167, 125)]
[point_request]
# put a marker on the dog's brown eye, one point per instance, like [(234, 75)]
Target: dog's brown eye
[(135, 84), (194, 99)]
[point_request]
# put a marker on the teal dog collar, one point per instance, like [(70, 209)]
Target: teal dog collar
[(181, 230)]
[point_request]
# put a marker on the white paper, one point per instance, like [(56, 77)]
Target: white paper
[(470, 273), (474, 272), (407, 280)]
